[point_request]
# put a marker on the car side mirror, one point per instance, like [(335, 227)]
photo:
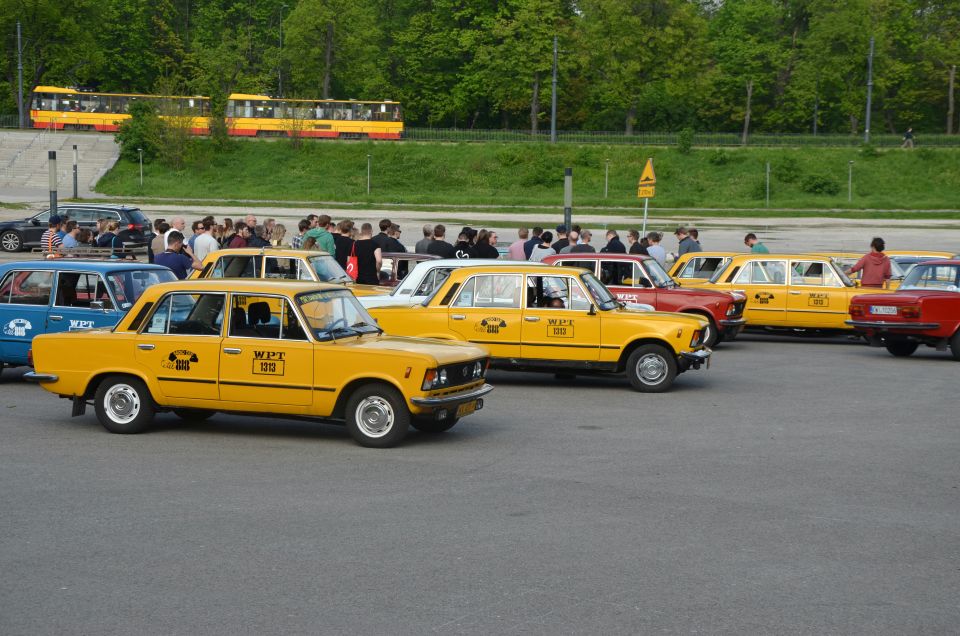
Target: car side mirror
[(98, 305), (592, 311)]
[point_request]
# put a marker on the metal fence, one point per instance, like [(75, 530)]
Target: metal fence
[(672, 138), (8, 121)]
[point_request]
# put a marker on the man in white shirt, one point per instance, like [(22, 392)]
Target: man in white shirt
[(176, 225), (204, 243)]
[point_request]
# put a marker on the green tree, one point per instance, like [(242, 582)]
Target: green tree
[(143, 131)]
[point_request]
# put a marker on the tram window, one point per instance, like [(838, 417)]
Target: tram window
[(263, 108), (231, 108), (90, 103)]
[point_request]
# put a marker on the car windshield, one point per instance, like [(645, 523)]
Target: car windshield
[(923, 276), (604, 297), (128, 285), (657, 274), (333, 314), (328, 269), (717, 275)]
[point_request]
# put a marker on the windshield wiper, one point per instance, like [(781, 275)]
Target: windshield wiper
[(367, 324)]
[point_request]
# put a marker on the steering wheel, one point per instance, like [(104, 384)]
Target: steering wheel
[(339, 322)]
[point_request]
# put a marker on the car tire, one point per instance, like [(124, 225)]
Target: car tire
[(955, 345), (901, 348), (193, 415), (11, 241), (377, 416), (432, 427), (124, 405), (651, 368)]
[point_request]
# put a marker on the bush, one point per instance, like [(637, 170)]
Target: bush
[(685, 141), (758, 190), (719, 157), (144, 130), (820, 184), (869, 151), (787, 170)]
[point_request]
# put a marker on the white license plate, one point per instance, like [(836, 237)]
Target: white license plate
[(883, 310)]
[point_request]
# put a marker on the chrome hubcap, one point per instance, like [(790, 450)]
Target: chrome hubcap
[(374, 416), (10, 242), (122, 403), (651, 369)]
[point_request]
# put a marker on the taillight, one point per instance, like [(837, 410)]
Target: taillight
[(856, 310), (910, 311), (30, 357)]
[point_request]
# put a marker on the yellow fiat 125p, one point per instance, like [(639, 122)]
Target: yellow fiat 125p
[(301, 349), (790, 291), (557, 319)]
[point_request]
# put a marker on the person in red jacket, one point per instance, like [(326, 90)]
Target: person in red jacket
[(875, 265)]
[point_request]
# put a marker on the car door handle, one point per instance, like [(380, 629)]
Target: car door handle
[(532, 318), (231, 350), (146, 347), (795, 293), (457, 317), (56, 317)]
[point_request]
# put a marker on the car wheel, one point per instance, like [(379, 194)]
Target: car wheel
[(433, 426), (377, 416), (123, 404), (711, 335), (901, 348), (11, 241), (651, 368), (955, 345), (193, 415)]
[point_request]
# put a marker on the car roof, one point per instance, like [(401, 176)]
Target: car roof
[(941, 261), (96, 206), (775, 256), (596, 256), (710, 254), (270, 251), (524, 267), (413, 256), (248, 285), (79, 263)]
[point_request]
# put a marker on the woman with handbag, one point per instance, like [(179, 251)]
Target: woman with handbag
[(368, 257)]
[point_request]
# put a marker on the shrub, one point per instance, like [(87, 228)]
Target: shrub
[(758, 190), (787, 170), (820, 184), (927, 154), (869, 151), (144, 130), (719, 157), (685, 141)]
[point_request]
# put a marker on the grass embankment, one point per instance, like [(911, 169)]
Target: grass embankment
[(532, 174)]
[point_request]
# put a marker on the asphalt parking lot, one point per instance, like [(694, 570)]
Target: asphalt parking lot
[(801, 486)]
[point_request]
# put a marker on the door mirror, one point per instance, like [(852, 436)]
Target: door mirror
[(97, 304), (592, 311)]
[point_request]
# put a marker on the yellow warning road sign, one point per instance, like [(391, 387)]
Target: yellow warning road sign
[(647, 177), (645, 192)]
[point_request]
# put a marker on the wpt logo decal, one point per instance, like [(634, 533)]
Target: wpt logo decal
[(81, 324), (18, 327)]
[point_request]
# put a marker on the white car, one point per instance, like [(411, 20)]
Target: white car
[(427, 276)]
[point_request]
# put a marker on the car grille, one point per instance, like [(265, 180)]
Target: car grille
[(462, 373), (738, 308)]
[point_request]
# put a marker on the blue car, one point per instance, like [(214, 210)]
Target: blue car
[(65, 295)]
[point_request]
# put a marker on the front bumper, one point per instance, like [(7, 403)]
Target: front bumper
[(885, 325), (33, 376), (693, 359), (449, 400), (732, 326)]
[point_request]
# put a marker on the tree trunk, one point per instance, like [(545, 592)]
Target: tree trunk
[(888, 117), (631, 117), (473, 122), (854, 124), (746, 115), (535, 105), (505, 119), (953, 77), (328, 61)]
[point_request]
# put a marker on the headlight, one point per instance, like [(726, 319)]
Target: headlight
[(433, 379), (442, 377), (695, 340), (477, 369)]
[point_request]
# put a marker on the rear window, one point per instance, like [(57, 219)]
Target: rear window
[(138, 217)]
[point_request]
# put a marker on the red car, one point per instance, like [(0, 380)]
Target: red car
[(925, 309), (635, 278)]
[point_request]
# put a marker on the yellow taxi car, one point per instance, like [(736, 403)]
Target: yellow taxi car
[(278, 263), (694, 268), (846, 260), (556, 319), (196, 347), (792, 291)]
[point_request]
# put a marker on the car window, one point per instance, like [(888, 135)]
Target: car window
[(556, 292), (26, 288), (84, 216), (432, 280), (614, 272), (815, 273), (264, 317), (188, 314), (762, 273), (636, 277), (945, 277), (500, 291), (42, 218), (286, 268), (239, 266), (702, 267), (588, 265), (75, 289), (328, 269), (129, 285)]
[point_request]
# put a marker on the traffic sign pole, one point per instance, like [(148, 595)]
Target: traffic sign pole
[(646, 205)]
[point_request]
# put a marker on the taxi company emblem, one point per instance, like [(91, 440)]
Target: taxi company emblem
[(180, 360), (763, 298), (491, 325), (560, 327), (17, 327), (269, 362)]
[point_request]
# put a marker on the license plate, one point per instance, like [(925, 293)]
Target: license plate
[(466, 409), (883, 310)]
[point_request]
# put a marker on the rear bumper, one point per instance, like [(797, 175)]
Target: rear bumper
[(33, 376), (885, 325), (449, 400), (693, 359)]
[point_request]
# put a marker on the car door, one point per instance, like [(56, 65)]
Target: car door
[(24, 303), (73, 299), (34, 228), (817, 298), (764, 284), (634, 285), (487, 311), (266, 356), (180, 344), (559, 321)]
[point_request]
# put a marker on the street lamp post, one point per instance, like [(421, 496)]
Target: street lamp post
[(553, 97), (606, 177), (850, 181), (140, 152), (20, 122), (368, 174)]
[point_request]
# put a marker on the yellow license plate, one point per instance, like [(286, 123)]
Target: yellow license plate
[(466, 409)]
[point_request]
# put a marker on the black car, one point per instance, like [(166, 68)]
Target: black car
[(135, 228)]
